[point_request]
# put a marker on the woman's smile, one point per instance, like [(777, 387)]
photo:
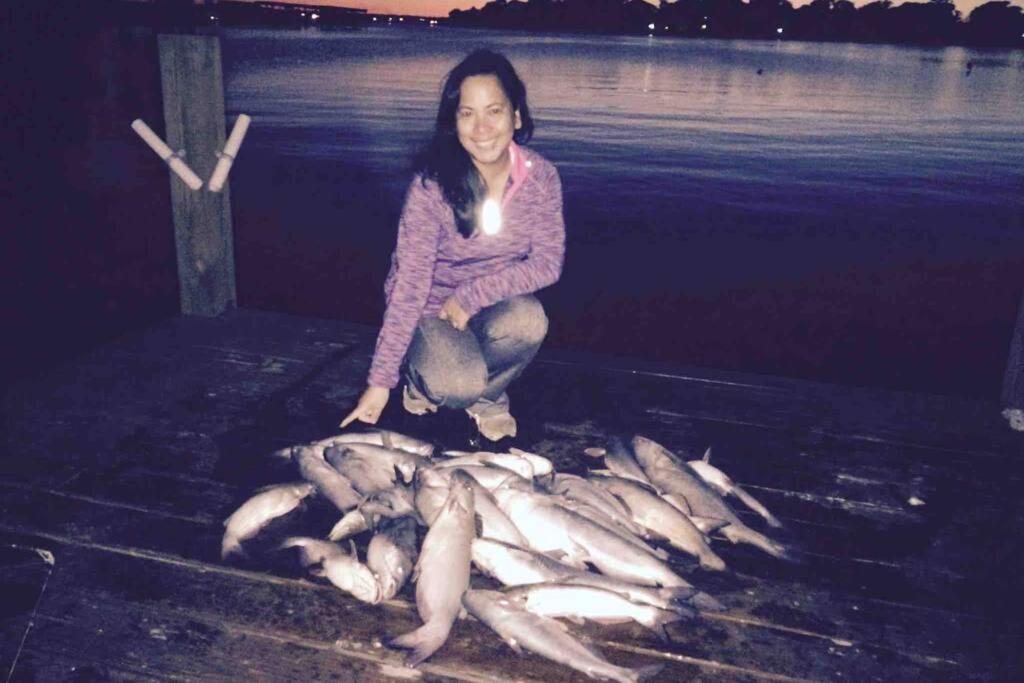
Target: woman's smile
[(485, 122)]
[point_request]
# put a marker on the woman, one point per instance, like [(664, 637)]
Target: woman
[(481, 230)]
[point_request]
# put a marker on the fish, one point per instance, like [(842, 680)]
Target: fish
[(590, 603), (255, 513), (391, 554), (542, 467), (520, 466), (492, 476), (432, 488), (545, 636), (653, 513), (513, 566), (352, 523), (342, 569), (721, 482), (328, 481), (385, 438), (620, 461), (366, 476), (442, 572), (389, 460), (394, 502), (393, 440), (599, 518), (493, 523), (673, 475), (550, 528), (577, 488)]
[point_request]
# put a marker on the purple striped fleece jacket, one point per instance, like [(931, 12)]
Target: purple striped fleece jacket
[(432, 261)]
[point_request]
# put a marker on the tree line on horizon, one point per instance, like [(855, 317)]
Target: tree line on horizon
[(937, 22), (997, 23)]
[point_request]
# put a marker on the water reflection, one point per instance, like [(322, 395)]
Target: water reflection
[(791, 173)]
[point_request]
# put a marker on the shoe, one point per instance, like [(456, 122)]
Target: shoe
[(414, 403), (1015, 416), (492, 418)]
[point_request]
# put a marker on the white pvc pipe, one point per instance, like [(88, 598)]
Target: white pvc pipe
[(164, 152), (227, 157)]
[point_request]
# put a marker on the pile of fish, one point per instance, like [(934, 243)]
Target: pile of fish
[(540, 533)]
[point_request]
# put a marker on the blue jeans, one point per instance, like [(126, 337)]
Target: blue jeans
[(458, 368)]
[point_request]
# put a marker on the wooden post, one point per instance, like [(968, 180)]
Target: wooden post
[(1013, 379), (193, 92)]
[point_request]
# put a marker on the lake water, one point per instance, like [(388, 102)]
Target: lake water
[(841, 212)]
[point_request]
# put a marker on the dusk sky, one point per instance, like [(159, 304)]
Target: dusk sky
[(441, 8)]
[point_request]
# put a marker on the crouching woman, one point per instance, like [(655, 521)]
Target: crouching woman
[(481, 231)]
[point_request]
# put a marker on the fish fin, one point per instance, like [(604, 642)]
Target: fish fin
[(677, 594), (646, 672), (678, 502), (709, 525), (621, 500), (514, 644), (595, 452), (706, 603), (385, 439), (683, 610), (566, 558), (660, 553), (707, 455), (659, 630), (283, 453), (352, 548), (423, 642), (317, 571), (604, 473)]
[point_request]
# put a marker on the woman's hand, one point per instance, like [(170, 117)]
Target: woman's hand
[(370, 406), (453, 313)]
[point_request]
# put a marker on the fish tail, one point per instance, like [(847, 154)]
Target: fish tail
[(738, 533), (706, 603), (663, 618), (677, 594), (231, 546), (423, 642), (646, 672), (757, 507), (709, 560), (308, 556)]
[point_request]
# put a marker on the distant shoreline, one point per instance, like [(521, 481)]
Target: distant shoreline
[(998, 24)]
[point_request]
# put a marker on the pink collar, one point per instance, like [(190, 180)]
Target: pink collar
[(517, 174)]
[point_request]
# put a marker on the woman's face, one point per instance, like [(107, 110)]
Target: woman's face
[(485, 121)]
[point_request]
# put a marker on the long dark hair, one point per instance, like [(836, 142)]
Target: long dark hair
[(444, 160)]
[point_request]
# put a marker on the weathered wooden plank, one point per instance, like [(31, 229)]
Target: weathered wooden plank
[(146, 444), (24, 574), (601, 393)]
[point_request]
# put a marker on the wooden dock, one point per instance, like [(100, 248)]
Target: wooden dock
[(120, 467)]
